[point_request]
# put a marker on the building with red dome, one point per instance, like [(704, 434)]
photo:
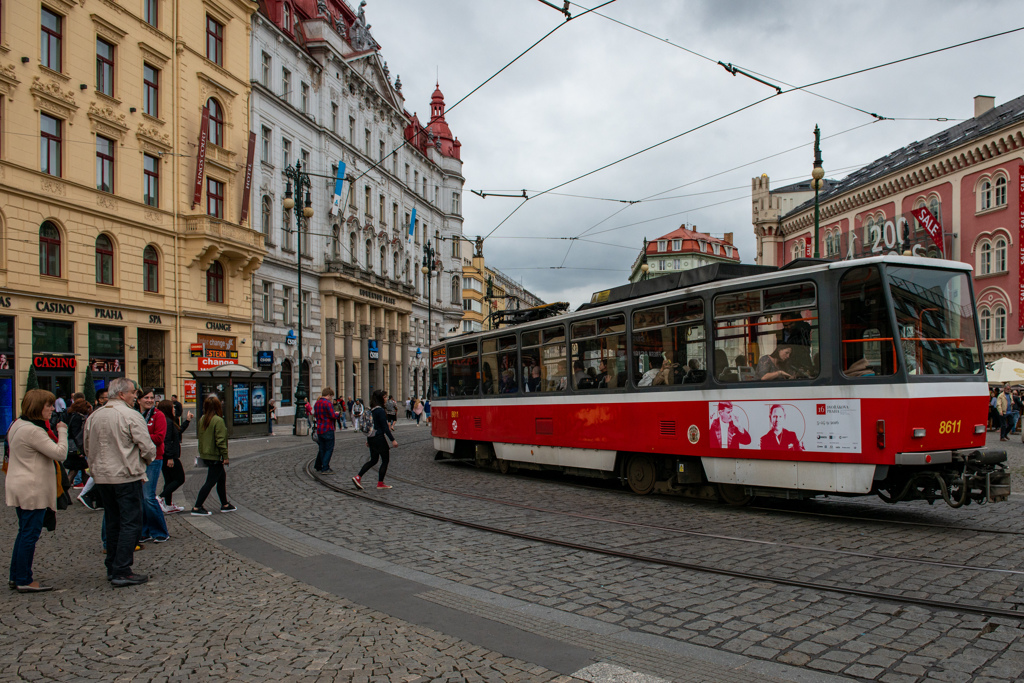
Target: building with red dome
[(683, 249)]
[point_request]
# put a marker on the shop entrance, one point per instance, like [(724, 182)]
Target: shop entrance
[(151, 358), (60, 384)]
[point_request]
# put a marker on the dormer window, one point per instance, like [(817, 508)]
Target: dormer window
[(286, 18), (716, 247), (703, 246), (662, 245), (728, 252), (677, 245)]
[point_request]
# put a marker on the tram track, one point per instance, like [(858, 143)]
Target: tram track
[(989, 611)]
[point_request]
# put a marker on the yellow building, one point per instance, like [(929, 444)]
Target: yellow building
[(105, 260)]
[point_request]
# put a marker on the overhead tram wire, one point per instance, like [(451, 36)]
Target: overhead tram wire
[(486, 81), (760, 101)]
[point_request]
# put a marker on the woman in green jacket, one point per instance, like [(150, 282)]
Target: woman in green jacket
[(213, 451)]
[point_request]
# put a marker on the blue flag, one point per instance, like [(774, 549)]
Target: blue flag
[(336, 206), (412, 225)]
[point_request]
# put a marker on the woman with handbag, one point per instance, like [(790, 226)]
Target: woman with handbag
[(31, 485), (377, 439), (173, 471), (76, 462), (213, 452)]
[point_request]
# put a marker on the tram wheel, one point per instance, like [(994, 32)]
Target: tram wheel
[(733, 494), (641, 474), (503, 466)]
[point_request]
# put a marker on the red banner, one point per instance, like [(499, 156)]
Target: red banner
[(190, 391), (204, 130), (248, 179), (930, 225), (808, 253), (1020, 235)]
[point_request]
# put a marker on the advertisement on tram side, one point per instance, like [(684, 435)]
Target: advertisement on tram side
[(813, 426)]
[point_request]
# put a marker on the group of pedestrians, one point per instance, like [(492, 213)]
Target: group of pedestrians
[(1008, 405), (377, 424), (124, 442)]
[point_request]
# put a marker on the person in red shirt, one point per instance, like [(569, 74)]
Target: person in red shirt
[(154, 526), (326, 418)]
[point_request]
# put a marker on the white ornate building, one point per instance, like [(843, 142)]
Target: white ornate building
[(322, 94)]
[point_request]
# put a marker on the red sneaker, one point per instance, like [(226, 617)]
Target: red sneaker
[(358, 482), (382, 485)]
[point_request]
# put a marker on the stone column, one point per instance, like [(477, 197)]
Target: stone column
[(330, 329), (348, 386), (403, 366), (378, 375), (392, 358), (364, 334)]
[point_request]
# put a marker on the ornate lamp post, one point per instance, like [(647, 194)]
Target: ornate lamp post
[(644, 268), (428, 269), (294, 174), (816, 175)]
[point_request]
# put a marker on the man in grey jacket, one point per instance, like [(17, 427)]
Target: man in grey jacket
[(118, 446)]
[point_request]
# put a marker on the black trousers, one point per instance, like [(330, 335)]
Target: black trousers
[(215, 476), (122, 512), (173, 478), (378, 451)]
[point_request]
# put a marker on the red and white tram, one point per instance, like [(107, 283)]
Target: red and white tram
[(840, 378)]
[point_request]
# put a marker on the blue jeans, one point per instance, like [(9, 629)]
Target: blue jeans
[(122, 517), (1009, 422), (30, 525), (341, 416), (325, 451), (153, 522)]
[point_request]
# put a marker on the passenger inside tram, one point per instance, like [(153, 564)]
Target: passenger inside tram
[(771, 366)]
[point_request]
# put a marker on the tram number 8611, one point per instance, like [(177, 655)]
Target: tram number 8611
[(949, 427)]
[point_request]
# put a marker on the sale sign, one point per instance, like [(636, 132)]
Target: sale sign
[(930, 225)]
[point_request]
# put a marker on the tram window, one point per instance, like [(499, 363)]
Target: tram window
[(673, 354), (463, 370), (781, 344), (439, 371), (544, 365), (868, 348), (935, 319), (498, 366), (599, 353)]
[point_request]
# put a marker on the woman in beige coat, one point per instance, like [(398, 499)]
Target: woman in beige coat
[(32, 480)]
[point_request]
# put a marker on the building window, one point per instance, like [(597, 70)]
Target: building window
[(49, 250), (304, 156), (286, 84), (455, 203), (352, 130), (286, 301), (151, 180), (214, 198), (307, 308), (675, 264), (265, 216), (999, 324), (394, 217), (304, 98), (150, 90), (214, 41), (366, 145), (265, 145), (335, 242), (150, 269), (366, 201), (215, 283), (216, 122), (999, 261), (268, 302), (716, 248), (456, 290), (383, 261), (266, 69), (104, 164), (1000, 194), (334, 117), (151, 12), (985, 254), (369, 255), (985, 195), (380, 207), (353, 253), (286, 17), (50, 135), (286, 150), (286, 382), (104, 68), (936, 209), (662, 245), (474, 284), (104, 260), (50, 38), (456, 248), (985, 319)]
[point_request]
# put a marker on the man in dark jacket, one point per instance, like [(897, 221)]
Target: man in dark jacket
[(326, 418)]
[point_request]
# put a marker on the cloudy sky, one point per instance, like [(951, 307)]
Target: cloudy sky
[(596, 91)]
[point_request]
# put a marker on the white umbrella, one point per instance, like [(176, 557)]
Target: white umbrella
[(1005, 371)]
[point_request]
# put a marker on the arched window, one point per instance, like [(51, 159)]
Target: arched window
[(353, 252), (104, 260), (986, 258), (408, 271), (999, 324), (266, 222), (999, 260), (456, 290), (215, 283), (869, 230), (49, 249), (933, 206), (985, 195), (150, 269), (286, 17), (395, 273), (286, 382), (216, 122), (1000, 194), (383, 261), (335, 242), (985, 319)]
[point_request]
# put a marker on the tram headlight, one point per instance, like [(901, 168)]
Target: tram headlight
[(919, 433), (979, 429), (880, 434)]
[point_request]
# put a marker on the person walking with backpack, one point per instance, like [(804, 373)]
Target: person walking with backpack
[(377, 439), (357, 414), (213, 451), (391, 411), (326, 419)]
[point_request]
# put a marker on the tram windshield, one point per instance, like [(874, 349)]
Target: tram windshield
[(935, 319)]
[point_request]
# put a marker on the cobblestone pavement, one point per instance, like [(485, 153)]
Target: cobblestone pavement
[(816, 630)]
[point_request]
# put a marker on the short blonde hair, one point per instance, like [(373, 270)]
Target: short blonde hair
[(35, 401)]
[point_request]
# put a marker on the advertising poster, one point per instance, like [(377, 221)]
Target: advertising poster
[(241, 404), (817, 426), (190, 391), (259, 404), (6, 403)]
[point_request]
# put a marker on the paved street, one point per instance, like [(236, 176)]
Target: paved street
[(308, 583)]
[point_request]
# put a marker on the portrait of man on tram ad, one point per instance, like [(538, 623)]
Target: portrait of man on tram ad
[(778, 437), (729, 426)]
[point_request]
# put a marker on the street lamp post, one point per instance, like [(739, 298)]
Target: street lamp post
[(816, 175), (427, 269), (295, 174), (644, 268)]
